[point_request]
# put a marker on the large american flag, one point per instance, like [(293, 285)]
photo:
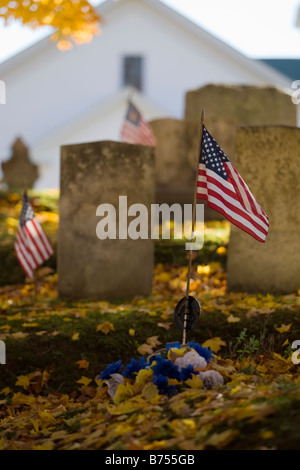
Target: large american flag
[(225, 191), (135, 129), (31, 245)]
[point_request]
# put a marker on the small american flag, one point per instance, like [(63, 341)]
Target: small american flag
[(135, 129), (31, 245), (225, 191)]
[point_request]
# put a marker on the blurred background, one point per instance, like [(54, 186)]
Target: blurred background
[(154, 51)]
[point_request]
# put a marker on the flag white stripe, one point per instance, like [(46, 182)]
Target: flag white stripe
[(23, 263), (42, 235), (36, 239), (237, 217), (213, 175), (233, 201), (237, 204), (24, 241), (245, 196), (242, 191), (33, 248), (26, 244), (25, 252), (137, 134)]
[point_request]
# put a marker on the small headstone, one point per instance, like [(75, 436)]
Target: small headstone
[(267, 158), (19, 171), (93, 174)]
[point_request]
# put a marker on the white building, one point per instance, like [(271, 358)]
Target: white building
[(55, 98)]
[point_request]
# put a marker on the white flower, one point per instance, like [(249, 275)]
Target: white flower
[(116, 379), (211, 378), (191, 358)]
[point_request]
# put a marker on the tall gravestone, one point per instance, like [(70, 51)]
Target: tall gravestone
[(93, 174), (267, 158)]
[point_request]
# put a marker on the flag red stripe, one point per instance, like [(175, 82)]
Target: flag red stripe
[(36, 253), (224, 188), (23, 264), (19, 245), (243, 214), (255, 207), (233, 220), (42, 237), (21, 241)]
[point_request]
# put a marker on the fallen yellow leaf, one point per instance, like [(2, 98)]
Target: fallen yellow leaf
[(153, 341), (83, 364), (23, 381), (165, 325), (105, 327), (221, 439), (75, 336), (214, 344), (233, 319), (283, 328), (144, 349), (84, 380)]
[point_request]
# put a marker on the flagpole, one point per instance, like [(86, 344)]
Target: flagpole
[(186, 311)]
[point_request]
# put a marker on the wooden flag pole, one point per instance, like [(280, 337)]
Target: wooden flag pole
[(186, 311)]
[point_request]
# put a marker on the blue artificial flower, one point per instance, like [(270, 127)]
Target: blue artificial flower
[(134, 367), (204, 352), (112, 368), (187, 372), (166, 368), (164, 388)]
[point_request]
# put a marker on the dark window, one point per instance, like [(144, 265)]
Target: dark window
[(132, 71)]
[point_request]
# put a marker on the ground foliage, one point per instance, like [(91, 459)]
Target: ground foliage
[(51, 396)]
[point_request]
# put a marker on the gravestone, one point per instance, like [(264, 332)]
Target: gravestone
[(93, 174), (19, 171), (248, 105), (267, 158), (174, 172)]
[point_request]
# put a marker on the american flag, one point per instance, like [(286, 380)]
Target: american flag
[(31, 245), (225, 191), (135, 129)]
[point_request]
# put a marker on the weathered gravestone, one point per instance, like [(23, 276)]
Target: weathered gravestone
[(93, 174), (19, 171), (267, 158), (177, 155), (247, 105)]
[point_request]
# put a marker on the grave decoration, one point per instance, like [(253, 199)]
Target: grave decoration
[(170, 370)]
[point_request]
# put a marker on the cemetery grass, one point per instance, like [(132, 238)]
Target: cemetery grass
[(50, 393)]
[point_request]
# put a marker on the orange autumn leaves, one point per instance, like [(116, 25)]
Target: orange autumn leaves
[(72, 21)]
